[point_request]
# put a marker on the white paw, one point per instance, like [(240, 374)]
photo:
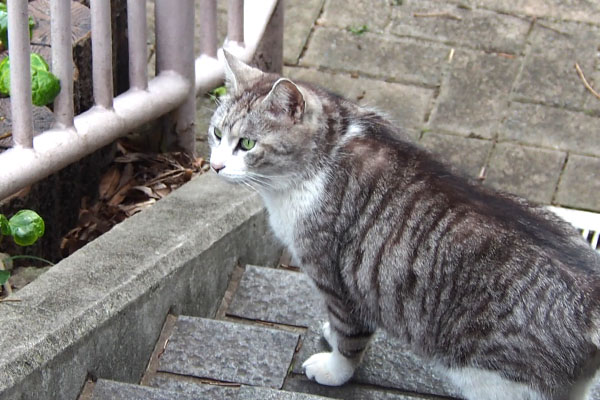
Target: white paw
[(331, 369), (329, 335)]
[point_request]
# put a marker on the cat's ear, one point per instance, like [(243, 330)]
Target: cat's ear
[(237, 73), (286, 98)]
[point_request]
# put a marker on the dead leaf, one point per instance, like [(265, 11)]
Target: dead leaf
[(109, 183)]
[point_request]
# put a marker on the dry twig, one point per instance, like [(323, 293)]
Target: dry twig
[(585, 82)]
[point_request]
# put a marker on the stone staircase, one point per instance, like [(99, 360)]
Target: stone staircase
[(267, 325)]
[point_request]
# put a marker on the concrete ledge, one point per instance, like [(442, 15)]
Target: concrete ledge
[(100, 311)]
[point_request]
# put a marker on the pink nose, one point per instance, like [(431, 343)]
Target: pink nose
[(217, 167)]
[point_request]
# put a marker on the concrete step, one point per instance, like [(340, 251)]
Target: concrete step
[(229, 352), (287, 297), (110, 390)]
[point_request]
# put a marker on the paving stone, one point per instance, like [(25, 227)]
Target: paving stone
[(473, 99), (253, 393), (229, 352), (579, 186), (548, 74), (456, 24), (592, 103), (349, 391), (387, 363), (576, 10), (110, 390), (299, 19), (206, 391), (405, 105), (181, 384), (374, 14), (526, 171), (276, 295), (376, 55), (468, 155), (552, 127)]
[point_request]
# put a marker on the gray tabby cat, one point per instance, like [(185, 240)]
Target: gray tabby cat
[(502, 295)]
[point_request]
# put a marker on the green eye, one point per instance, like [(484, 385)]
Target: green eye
[(218, 133), (247, 144)]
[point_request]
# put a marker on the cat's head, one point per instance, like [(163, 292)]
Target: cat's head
[(261, 133)]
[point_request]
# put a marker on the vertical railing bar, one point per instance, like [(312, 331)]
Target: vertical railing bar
[(208, 27), (20, 80), (137, 31), (62, 60), (175, 52), (102, 53), (235, 21)]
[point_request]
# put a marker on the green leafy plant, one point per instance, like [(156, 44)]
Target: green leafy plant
[(44, 85), (4, 26), (358, 30), (217, 92), (25, 227)]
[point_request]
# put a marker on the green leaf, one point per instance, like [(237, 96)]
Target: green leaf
[(5, 76), (38, 63), (3, 25), (220, 91), (357, 30), (26, 227), (4, 226), (4, 275), (44, 87), (217, 92), (31, 23)]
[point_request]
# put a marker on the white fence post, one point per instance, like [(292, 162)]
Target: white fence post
[(175, 52), (62, 61), (20, 80), (138, 52), (102, 74)]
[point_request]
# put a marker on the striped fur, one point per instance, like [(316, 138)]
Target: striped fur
[(482, 283)]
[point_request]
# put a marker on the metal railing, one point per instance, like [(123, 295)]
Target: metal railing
[(171, 94)]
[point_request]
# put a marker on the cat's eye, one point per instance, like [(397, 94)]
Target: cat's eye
[(218, 133), (247, 144)]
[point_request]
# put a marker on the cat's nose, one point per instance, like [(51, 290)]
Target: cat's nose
[(217, 167)]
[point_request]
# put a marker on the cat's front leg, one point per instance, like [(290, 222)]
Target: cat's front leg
[(348, 343)]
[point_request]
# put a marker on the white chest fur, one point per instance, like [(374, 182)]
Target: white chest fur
[(287, 208)]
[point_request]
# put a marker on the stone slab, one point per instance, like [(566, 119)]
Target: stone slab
[(387, 363), (474, 97), (117, 290), (207, 391), (548, 75), (185, 385), (111, 390), (579, 186), (592, 103), (345, 14), (457, 24), (577, 10), (299, 19), (279, 296), (349, 391), (229, 352), (468, 155), (405, 105), (376, 56), (551, 127), (526, 171)]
